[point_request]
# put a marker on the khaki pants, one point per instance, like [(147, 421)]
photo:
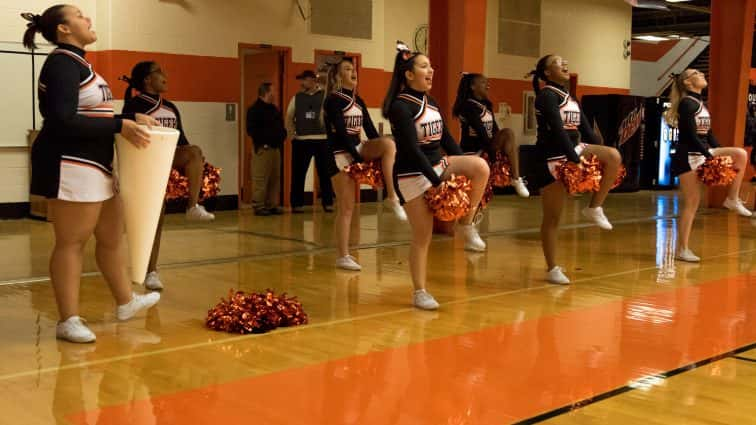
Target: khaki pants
[(266, 178)]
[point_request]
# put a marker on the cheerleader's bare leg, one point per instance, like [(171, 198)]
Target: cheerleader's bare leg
[(474, 168), (385, 149), (690, 191), (740, 158), (552, 198), (109, 249), (421, 222), (508, 145), (74, 223), (610, 160), (345, 193)]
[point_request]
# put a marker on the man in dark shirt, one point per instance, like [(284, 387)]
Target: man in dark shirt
[(265, 126)]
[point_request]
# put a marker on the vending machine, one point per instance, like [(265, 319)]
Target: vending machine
[(619, 121), (659, 145)]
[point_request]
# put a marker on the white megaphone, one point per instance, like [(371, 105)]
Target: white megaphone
[(142, 178)]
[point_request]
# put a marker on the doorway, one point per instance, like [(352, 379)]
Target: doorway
[(259, 65)]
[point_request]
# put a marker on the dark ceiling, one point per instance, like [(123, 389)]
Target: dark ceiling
[(688, 19)]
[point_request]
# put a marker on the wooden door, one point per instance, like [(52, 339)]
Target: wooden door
[(259, 67)]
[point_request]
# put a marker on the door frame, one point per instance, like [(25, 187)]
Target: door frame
[(284, 90), (354, 55)]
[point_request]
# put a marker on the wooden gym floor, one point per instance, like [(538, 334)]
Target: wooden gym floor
[(636, 338)]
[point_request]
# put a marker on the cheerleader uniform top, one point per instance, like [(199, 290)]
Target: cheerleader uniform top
[(161, 109), (478, 125), (420, 133), (561, 124), (345, 116), (694, 125), (78, 125)]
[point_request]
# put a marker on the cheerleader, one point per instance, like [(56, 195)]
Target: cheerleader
[(346, 116), (72, 167), (420, 133), (150, 81), (565, 135), (697, 143), (480, 133)]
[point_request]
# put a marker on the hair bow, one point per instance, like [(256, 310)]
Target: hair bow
[(402, 48), (32, 18)]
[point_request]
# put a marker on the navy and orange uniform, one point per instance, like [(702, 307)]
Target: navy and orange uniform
[(345, 116), (478, 126), (562, 129), (72, 157), (164, 112), (695, 135), (420, 133)]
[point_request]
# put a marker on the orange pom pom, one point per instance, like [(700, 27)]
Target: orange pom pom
[(369, 173), (582, 177), (210, 182), (487, 195), (255, 312), (717, 171), (501, 171), (178, 186), (620, 176), (451, 199)]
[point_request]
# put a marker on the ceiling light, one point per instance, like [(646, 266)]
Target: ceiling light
[(648, 4), (650, 38)]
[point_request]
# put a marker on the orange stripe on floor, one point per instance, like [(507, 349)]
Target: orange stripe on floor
[(492, 376)]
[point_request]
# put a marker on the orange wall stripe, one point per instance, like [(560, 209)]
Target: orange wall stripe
[(652, 52), (373, 86), (191, 78), (195, 78), (509, 91)]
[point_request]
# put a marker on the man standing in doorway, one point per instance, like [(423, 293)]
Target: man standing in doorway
[(304, 119), (266, 128)]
